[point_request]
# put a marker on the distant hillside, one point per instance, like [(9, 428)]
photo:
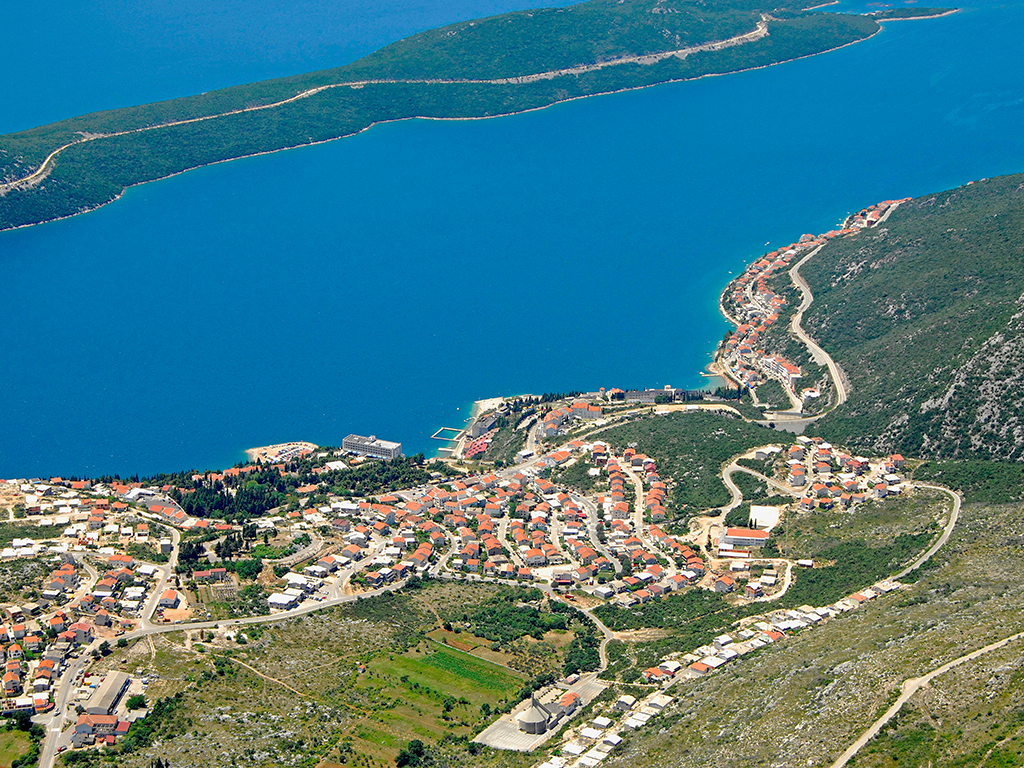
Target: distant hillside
[(925, 314), (496, 66)]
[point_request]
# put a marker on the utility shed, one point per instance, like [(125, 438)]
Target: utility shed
[(109, 693), (625, 703)]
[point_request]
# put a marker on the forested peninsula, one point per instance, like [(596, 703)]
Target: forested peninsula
[(496, 66)]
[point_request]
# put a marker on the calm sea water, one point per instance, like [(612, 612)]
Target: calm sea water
[(69, 57), (381, 283)]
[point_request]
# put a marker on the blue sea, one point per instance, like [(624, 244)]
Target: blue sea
[(379, 284)]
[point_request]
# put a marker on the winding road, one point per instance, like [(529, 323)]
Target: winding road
[(794, 420), (703, 532), (608, 637), (819, 355), (707, 523), (54, 724), (954, 515)]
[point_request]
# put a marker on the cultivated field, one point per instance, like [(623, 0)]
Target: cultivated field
[(350, 685)]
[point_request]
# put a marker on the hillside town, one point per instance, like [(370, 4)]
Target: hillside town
[(586, 744), (112, 553), (92, 564), (754, 307)]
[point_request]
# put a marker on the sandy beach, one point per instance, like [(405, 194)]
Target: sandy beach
[(483, 406), (269, 454)]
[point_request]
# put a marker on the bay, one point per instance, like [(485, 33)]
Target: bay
[(381, 283)]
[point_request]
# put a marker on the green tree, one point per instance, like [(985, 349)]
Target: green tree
[(412, 754)]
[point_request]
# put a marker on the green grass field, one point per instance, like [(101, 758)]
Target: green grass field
[(13, 744), (433, 692), (464, 670)]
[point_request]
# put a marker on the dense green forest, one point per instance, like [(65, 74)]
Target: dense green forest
[(252, 494), (381, 476), (506, 617), (522, 43), (856, 565), (924, 314), (98, 166), (990, 482)]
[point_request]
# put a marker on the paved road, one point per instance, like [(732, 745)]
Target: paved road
[(953, 517), (608, 637), (908, 689), (593, 521), (787, 580), (783, 423), (546, 589), (638, 503), (167, 573), (768, 309), (557, 539), (670, 407), (702, 534), (820, 356), (531, 436), (147, 628), (642, 532), (92, 577), (734, 467), (453, 547), (737, 498), (760, 31), (513, 551), (54, 723), (314, 546)]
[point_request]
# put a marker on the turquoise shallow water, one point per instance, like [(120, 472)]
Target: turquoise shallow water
[(381, 283)]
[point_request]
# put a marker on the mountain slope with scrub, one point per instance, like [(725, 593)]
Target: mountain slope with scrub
[(925, 314)]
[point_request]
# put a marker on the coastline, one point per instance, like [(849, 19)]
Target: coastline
[(487, 404), (40, 174), (416, 117), (453, 447), (950, 12), (715, 370), (271, 454)]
